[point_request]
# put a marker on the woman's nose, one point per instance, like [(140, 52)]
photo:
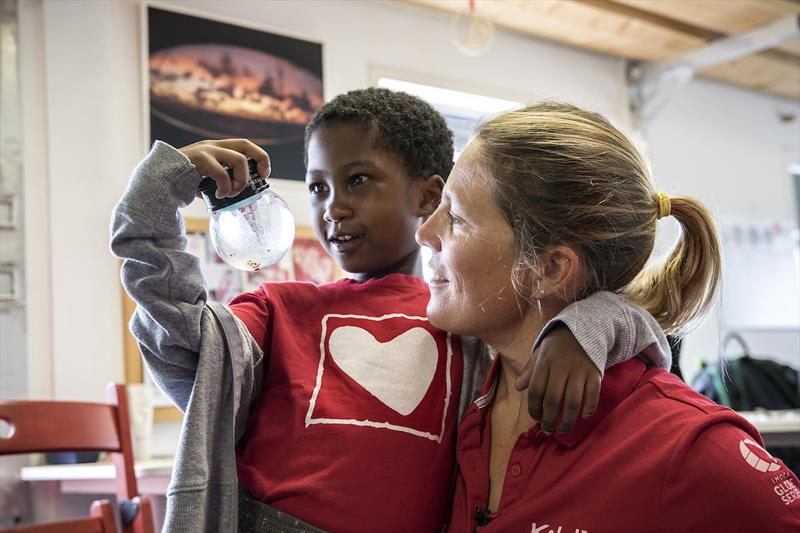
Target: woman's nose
[(426, 234)]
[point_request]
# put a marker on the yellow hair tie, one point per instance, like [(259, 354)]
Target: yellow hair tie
[(664, 205)]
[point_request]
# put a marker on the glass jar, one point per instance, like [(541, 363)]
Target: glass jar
[(252, 230)]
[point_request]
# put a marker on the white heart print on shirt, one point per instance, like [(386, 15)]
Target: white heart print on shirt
[(397, 372)]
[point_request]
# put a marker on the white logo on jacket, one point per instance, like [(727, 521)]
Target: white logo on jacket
[(752, 452)]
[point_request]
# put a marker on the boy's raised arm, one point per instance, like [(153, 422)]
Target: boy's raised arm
[(147, 233)]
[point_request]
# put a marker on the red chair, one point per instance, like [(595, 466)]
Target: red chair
[(51, 426)]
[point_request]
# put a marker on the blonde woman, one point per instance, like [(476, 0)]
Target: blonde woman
[(548, 204)]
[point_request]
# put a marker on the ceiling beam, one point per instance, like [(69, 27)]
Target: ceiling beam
[(654, 18), (650, 83), (724, 50), (680, 26)]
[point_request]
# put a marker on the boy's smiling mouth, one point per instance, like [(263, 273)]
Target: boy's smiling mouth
[(344, 242)]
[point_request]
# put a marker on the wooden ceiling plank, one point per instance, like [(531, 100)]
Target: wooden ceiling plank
[(581, 25), (722, 16), (758, 73), (781, 55), (677, 15), (660, 12), (631, 9), (792, 47)]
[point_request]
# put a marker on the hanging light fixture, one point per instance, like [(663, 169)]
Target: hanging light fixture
[(472, 34)]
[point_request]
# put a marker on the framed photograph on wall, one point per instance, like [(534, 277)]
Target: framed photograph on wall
[(213, 79), (305, 261)]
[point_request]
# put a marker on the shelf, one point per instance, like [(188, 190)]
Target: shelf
[(784, 421), (778, 428)]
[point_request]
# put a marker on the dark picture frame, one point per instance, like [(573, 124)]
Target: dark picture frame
[(212, 79)]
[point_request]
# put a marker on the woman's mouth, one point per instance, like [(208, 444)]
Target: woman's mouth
[(437, 281)]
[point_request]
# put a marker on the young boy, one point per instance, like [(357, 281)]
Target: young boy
[(353, 427)]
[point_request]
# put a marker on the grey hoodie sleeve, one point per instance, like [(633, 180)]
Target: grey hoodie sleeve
[(165, 281), (198, 352), (611, 330)]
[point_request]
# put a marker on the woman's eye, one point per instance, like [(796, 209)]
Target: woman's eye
[(454, 219)]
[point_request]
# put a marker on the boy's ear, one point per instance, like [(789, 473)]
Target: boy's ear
[(430, 194)]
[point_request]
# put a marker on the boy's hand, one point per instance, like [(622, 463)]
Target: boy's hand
[(211, 157), (560, 372)]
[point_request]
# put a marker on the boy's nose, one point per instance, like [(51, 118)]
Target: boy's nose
[(336, 211)]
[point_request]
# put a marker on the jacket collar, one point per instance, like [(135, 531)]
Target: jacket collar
[(618, 383)]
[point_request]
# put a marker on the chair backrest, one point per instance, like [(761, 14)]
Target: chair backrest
[(57, 426)]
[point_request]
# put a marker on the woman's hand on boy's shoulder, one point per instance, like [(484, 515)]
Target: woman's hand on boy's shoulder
[(211, 157), (560, 374)]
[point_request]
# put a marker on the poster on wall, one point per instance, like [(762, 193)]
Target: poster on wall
[(208, 79)]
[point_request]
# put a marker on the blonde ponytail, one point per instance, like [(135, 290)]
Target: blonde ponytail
[(679, 292)]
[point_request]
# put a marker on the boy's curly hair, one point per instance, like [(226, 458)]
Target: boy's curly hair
[(404, 124)]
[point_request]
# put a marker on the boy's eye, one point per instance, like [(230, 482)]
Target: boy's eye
[(358, 179), (316, 188)]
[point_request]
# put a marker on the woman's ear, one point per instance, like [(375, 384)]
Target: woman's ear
[(430, 194), (560, 273)]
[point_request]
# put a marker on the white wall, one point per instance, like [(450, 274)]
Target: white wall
[(13, 357), (87, 56), (38, 266), (728, 148)]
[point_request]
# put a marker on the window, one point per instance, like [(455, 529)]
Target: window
[(462, 111)]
